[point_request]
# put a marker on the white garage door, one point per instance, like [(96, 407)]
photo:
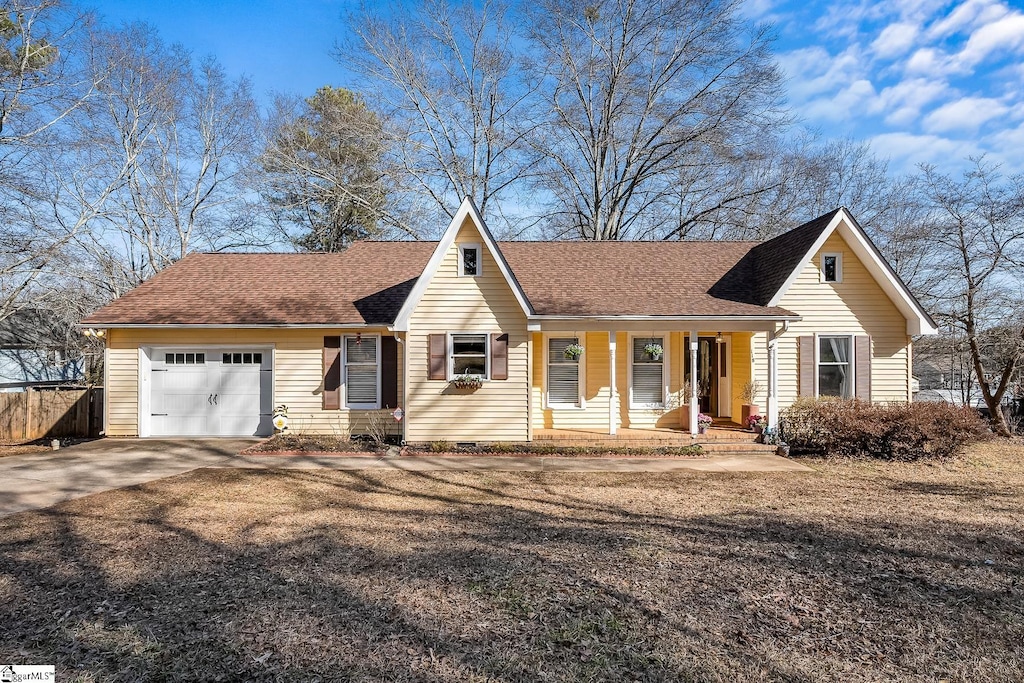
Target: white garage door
[(211, 392)]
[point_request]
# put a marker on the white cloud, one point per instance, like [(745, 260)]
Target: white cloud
[(967, 16), (1005, 33), (906, 150), (966, 114), (901, 104), (845, 104), (927, 61), (895, 40), (813, 71), (757, 9)]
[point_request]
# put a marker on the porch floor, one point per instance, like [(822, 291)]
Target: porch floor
[(722, 436)]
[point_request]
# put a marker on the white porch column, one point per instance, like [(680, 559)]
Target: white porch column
[(694, 403), (773, 380), (613, 403)]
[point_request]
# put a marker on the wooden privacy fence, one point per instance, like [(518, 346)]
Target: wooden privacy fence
[(51, 413)]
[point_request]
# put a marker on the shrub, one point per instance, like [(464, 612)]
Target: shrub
[(898, 431)]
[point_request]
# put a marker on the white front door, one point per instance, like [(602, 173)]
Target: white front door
[(211, 392)]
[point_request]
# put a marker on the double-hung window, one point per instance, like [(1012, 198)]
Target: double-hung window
[(563, 374), (834, 368), (362, 372), (468, 355), (648, 372)]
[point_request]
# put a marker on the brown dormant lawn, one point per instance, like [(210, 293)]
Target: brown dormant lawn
[(858, 571)]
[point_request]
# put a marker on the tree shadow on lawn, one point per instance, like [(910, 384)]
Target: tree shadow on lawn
[(367, 576)]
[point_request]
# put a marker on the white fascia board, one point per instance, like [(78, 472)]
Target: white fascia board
[(669, 318), (447, 239), (918, 321)]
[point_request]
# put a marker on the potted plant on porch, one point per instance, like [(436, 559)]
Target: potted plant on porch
[(748, 394), (703, 422), (757, 423)]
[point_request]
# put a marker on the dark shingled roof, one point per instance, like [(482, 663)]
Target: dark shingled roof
[(629, 278), (370, 282), (366, 284)]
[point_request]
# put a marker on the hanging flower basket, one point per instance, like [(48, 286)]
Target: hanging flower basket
[(467, 382), (654, 351), (572, 351)]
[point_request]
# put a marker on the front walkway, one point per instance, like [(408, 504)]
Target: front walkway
[(39, 480)]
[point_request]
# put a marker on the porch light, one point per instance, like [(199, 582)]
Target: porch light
[(91, 332), (719, 339)]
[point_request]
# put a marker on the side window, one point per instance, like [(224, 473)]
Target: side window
[(361, 371), (563, 372), (468, 355), (834, 376), (469, 260), (831, 267)]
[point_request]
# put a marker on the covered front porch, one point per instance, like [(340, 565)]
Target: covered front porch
[(647, 381)]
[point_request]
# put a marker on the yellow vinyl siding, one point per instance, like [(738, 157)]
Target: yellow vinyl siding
[(593, 416), (498, 411), (857, 305), (650, 417), (297, 371), (741, 372)]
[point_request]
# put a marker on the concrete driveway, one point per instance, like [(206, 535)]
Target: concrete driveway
[(39, 480)]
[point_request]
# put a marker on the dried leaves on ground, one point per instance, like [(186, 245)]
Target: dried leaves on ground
[(857, 571)]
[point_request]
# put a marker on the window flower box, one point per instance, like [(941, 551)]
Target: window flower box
[(467, 382)]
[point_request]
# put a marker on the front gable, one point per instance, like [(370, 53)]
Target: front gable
[(494, 281), (843, 237)]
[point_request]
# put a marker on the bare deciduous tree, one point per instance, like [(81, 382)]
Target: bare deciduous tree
[(45, 77), (181, 135), (446, 76), (976, 258), (640, 93)]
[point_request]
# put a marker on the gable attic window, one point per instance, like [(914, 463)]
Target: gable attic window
[(831, 267), (469, 260)]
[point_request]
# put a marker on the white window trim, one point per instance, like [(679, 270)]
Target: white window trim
[(839, 267), (344, 368), (581, 375), (851, 363), (486, 377), (479, 259), (665, 336)]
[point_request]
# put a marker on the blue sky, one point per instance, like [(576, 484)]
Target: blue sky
[(923, 80)]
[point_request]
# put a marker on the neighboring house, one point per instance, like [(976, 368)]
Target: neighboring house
[(213, 343), (34, 352)]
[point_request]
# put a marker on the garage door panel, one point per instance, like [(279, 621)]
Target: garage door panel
[(165, 425), (199, 392), (239, 381)]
